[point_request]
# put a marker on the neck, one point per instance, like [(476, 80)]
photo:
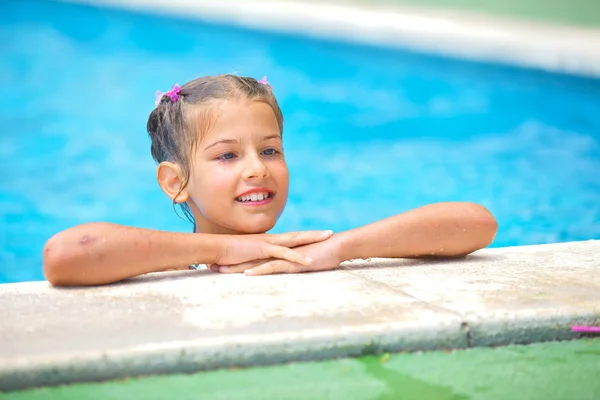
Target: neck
[(215, 229)]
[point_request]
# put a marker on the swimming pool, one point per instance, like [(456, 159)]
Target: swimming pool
[(370, 132)]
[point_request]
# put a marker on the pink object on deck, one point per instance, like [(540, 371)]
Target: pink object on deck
[(585, 329)]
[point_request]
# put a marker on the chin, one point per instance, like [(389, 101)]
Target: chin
[(255, 227)]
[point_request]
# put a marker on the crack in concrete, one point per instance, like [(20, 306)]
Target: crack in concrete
[(402, 292), (464, 326)]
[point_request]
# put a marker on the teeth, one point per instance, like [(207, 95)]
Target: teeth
[(253, 197)]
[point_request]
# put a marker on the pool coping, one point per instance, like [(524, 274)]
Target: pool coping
[(471, 36), (186, 321)]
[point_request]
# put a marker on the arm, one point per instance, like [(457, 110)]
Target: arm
[(440, 230), (100, 253)]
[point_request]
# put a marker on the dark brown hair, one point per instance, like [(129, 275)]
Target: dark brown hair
[(175, 128)]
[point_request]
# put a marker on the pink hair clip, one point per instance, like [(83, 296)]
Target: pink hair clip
[(585, 329), (263, 81), (173, 94)]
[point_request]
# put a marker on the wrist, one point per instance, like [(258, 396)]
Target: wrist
[(340, 248), (212, 249)]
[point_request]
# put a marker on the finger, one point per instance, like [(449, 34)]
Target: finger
[(295, 239), (267, 268), (288, 254), (239, 268), (274, 267)]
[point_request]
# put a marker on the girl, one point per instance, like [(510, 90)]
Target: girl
[(218, 145)]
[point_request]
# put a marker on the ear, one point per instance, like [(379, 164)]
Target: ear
[(170, 178)]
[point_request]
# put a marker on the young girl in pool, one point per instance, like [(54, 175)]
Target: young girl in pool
[(218, 145)]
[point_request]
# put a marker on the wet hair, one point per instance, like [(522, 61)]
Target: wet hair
[(176, 127)]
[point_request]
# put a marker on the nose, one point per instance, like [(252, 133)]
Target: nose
[(255, 168)]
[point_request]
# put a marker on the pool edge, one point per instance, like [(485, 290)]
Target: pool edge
[(550, 47), (388, 318)]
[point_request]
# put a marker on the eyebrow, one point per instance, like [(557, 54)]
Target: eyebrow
[(221, 141), (271, 137), (264, 139)]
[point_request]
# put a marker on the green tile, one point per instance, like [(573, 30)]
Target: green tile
[(559, 370)]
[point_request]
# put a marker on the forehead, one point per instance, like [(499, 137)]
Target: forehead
[(243, 117)]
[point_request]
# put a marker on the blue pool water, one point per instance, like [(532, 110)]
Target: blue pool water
[(370, 132)]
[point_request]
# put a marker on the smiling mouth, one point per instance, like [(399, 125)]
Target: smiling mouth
[(255, 197)]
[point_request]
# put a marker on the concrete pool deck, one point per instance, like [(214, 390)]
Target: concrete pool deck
[(197, 320)]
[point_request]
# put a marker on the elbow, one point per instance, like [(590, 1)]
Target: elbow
[(57, 260), (72, 257), (478, 229), (485, 226)]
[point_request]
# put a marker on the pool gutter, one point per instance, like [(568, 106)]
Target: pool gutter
[(550, 47)]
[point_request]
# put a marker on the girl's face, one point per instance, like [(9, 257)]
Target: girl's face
[(238, 176)]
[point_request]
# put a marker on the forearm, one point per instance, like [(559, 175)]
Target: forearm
[(99, 253), (442, 229)]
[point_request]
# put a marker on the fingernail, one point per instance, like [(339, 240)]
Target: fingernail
[(223, 269), (308, 259), (248, 272), (327, 233)]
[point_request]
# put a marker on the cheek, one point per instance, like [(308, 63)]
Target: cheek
[(281, 175), (215, 179), (220, 182)]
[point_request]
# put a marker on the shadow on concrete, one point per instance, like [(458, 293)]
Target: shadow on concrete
[(421, 262), (169, 276)]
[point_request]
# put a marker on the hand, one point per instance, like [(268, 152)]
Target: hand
[(325, 255), (239, 249)]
